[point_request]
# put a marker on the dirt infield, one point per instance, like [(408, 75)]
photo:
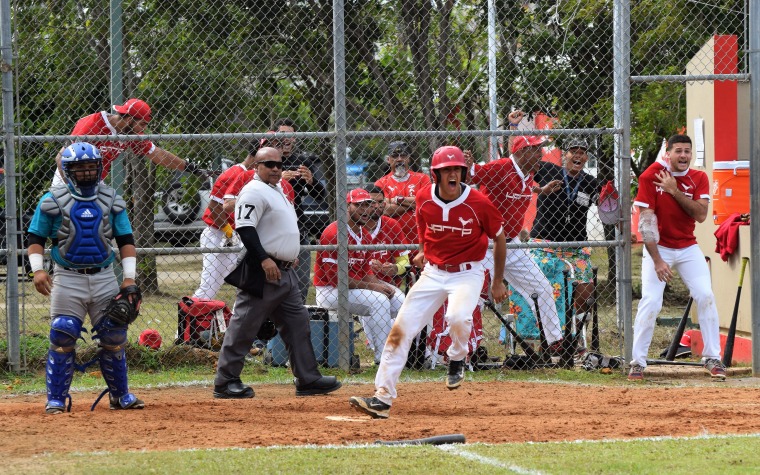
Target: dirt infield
[(182, 418)]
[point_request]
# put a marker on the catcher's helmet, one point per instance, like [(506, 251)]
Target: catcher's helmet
[(448, 156), (81, 176), (150, 338)]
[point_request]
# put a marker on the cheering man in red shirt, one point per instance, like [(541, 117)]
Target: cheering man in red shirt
[(671, 198), (454, 223)]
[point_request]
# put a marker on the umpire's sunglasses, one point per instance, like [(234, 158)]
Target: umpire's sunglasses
[(270, 164)]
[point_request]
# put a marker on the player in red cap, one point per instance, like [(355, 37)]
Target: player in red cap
[(508, 182), (129, 118), (454, 224)]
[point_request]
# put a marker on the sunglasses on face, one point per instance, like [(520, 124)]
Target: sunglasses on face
[(271, 164)]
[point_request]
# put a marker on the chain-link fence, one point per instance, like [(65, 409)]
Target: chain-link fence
[(411, 76)]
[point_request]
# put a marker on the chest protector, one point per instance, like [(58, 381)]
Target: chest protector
[(84, 237)]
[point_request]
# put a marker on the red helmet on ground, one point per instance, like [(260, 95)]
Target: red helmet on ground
[(448, 156), (150, 338)]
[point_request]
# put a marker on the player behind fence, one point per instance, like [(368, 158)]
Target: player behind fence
[(454, 223), (81, 217)]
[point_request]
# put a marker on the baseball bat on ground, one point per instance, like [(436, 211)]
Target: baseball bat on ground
[(676, 342), (436, 440), (675, 363), (527, 349), (728, 351), (594, 315)]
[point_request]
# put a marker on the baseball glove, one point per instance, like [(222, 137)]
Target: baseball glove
[(267, 331), (125, 306)]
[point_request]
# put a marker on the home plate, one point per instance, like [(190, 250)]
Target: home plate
[(348, 419)]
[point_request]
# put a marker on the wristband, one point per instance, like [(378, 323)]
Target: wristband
[(36, 262), (514, 125), (129, 266)]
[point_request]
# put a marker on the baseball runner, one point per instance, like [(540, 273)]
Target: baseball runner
[(454, 223), (508, 183), (81, 218), (671, 198), (132, 117)]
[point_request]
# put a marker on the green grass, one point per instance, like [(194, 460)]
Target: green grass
[(692, 456)]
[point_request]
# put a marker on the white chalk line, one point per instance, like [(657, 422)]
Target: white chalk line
[(460, 452)]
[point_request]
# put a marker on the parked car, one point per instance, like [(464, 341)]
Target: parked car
[(179, 219)]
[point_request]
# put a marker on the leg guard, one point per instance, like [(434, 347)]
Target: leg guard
[(64, 333), (113, 365)]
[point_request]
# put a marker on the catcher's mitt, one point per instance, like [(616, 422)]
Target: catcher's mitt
[(267, 330), (125, 306)]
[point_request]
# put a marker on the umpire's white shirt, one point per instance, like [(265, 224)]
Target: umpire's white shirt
[(266, 208)]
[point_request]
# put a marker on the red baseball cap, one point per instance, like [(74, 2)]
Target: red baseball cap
[(136, 108), (150, 338), (358, 195), (523, 141)]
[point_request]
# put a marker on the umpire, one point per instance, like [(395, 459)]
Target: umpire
[(268, 285)]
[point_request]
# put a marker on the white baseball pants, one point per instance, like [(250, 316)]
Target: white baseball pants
[(375, 309), (524, 275), (216, 265), (691, 266), (426, 296)]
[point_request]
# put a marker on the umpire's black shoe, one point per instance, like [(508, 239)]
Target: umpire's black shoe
[(456, 374), (371, 406), (324, 385), (234, 389)]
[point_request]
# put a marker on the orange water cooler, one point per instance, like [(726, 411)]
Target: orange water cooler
[(730, 189)]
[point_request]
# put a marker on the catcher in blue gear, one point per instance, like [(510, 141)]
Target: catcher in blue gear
[(81, 218)]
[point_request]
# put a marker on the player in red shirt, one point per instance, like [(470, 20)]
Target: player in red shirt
[(132, 117), (508, 182), (399, 187), (375, 301), (455, 223), (387, 264), (670, 200)]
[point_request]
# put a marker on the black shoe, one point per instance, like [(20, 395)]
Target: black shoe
[(324, 385), (371, 406), (234, 389), (456, 374)]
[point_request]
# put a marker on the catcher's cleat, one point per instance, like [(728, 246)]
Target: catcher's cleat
[(234, 389), (127, 401), (715, 368), (55, 407), (324, 385), (636, 373), (371, 406), (456, 374)]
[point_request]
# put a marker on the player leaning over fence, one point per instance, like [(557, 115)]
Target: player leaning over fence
[(81, 217), (454, 224), (671, 198), (130, 118)]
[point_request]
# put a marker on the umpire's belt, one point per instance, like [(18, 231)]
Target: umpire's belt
[(282, 264), (87, 270), (454, 267)]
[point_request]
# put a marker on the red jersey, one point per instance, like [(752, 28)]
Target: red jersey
[(97, 124), (228, 185), (326, 264), (676, 227), (456, 232), (392, 188), (219, 190), (387, 231), (508, 188)]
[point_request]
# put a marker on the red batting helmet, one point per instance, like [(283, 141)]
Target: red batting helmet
[(447, 156), (150, 338)]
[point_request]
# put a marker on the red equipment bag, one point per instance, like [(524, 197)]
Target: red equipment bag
[(202, 322)]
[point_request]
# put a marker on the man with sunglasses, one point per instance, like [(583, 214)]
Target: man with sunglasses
[(129, 118), (302, 170), (400, 187), (267, 224)]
